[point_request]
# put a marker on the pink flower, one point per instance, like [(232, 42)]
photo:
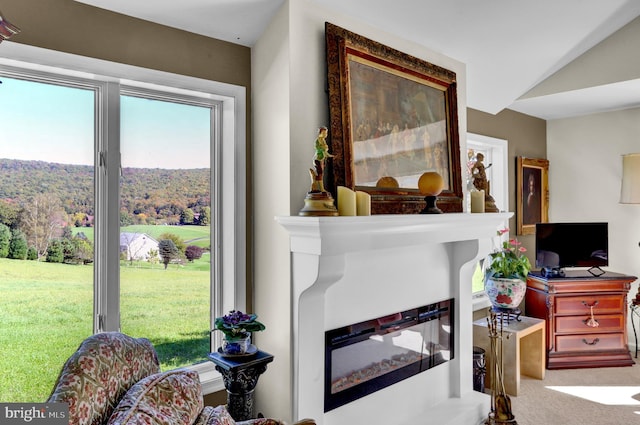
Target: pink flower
[(509, 261)]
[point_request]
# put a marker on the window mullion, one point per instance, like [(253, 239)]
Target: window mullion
[(107, 236)]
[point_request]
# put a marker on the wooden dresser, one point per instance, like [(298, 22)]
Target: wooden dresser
[(586, 317)]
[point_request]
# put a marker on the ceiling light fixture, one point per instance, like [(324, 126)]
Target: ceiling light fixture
[(7, 29)]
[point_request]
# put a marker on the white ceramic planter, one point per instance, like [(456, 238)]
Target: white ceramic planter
[(505, 293)]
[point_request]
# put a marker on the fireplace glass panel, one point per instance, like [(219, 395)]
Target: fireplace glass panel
[(365, 357)]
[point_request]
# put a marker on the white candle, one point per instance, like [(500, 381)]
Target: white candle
[(346, 201), (477, 201), (363, 203)]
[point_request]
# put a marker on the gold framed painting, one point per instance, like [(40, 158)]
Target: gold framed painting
[(393, 117), (532, 194)]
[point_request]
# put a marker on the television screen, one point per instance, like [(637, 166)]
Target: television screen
[(560, 245)]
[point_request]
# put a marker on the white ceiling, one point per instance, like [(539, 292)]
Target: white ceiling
[(509, 46)]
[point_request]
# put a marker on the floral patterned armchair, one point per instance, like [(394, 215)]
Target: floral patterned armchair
[(115, 379)]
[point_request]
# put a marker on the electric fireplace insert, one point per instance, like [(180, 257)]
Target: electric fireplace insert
[(365, 357)]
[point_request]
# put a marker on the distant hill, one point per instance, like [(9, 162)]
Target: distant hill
[(154, 195)]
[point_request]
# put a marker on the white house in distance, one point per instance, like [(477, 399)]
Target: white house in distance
[(137, 246)]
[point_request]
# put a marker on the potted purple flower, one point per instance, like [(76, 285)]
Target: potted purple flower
[(237, 327)]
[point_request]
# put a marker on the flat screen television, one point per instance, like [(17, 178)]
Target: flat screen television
[(561, 245)]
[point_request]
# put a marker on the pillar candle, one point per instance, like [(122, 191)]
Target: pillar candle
[(346, 201), (477, 201), (363, 203)]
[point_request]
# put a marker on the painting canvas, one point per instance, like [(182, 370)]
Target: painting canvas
[(399, 131), (533, 194), (393, 118)]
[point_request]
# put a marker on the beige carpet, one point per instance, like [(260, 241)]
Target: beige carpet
[(538, 404)]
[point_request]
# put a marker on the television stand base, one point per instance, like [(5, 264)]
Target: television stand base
[(596, 271)]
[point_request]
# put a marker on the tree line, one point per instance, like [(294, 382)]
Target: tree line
[(147, 195), (41, 201)]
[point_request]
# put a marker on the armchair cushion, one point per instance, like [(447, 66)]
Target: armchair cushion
[(96, 376), (168, 398), (219, 415)]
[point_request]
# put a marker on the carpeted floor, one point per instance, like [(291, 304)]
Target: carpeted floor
[(596, 396)]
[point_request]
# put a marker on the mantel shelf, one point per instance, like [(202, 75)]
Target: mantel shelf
[(339, 235)]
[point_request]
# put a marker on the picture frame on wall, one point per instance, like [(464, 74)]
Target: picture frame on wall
[(532, 194), (393, 117)]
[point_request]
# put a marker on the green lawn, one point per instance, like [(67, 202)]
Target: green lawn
[(46, 310), (477, 280), (192, 235)]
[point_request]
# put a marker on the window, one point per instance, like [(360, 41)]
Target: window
[(44, 150), (495, 160), (214, 114), (165, 222)]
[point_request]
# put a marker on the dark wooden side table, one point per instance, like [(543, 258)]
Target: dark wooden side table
[(240, 377), (586, 317)]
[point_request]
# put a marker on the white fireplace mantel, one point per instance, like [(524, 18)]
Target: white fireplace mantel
[(340, 235), (348, 269)]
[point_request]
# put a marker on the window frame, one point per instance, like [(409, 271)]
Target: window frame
[(109, 79), (497, 150)]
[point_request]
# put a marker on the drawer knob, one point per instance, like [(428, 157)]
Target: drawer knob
[(594, 342), (586, 304)]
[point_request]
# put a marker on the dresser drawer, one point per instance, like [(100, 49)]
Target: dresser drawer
[(581, 304), (578, 324), (590, 342)]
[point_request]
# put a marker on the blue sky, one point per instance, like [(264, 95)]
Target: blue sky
[(55, 124)]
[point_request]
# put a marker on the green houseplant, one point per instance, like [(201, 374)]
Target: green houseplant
[(237, 327), (506, 272)]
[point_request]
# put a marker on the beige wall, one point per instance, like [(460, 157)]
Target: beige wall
[(527, 136), (73, 27), (272, 146), (585, 172), (289, 105)]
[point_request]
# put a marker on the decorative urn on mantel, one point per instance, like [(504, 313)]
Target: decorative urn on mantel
[(505, 274)]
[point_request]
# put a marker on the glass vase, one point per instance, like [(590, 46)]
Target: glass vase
[(236, 345)]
